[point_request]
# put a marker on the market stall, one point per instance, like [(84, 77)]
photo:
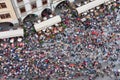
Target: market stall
[(90, 5), (11, 33), (45, 24)]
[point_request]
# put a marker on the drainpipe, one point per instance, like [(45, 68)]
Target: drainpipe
[(51, 5), (20, 23)]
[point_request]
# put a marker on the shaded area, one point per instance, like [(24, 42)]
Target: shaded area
[(61, 6), (81, 2), (30, 18), (46, 12), (6, 26)]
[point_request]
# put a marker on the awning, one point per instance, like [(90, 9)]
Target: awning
[(11, 33), (90, 5), (45, 24)]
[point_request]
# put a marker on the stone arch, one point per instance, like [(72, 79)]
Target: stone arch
[(30, 18), (4, 26), (59, 5), (46, 12)]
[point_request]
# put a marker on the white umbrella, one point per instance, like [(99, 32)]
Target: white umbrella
[(85, 13), (19, 39), (56, 25), (83, 19), (11, 40), (39, 21), (1, 44), (98, 7), (118, 70), (44, 18), (44, 30), (97, 17), (85, 2), (50, 27), (91, 10), (79, 4), (51, 15), (109, 2)]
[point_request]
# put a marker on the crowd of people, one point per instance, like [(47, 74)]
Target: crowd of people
[(76, 50)]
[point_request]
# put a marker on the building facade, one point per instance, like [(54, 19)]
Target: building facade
[(17, 10), (26, 7), (14, 11), (7, 13)]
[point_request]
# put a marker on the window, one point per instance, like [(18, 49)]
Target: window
[(44, 2), (4, 16), (22, 9), (33, 5), (3, 5), (7, 15), (19, 1)]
